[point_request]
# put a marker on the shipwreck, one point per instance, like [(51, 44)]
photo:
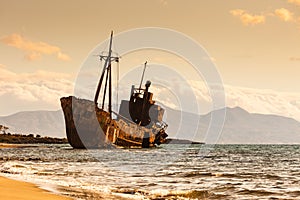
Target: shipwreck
[(137, 124)]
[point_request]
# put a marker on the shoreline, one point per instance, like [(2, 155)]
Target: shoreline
[(19, 190), (9, 145)]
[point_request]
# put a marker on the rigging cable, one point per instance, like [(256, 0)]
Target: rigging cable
[(118, 78)]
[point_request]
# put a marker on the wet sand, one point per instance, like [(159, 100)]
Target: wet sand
[(17, 190)]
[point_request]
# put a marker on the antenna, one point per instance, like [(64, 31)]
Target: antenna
[(143, 75)]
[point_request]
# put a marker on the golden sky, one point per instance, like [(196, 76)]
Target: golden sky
[(254, 43)]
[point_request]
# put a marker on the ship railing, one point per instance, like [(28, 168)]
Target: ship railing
[(124, 122)]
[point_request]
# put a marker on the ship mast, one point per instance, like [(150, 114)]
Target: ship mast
[(140, 88), (106, 69)]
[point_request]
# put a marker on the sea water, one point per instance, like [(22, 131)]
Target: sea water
[(171, 171)]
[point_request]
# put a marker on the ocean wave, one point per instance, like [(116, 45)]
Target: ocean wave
[(167, 194), (257, 192)]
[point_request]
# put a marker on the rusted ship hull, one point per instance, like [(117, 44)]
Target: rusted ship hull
[(88, 126)]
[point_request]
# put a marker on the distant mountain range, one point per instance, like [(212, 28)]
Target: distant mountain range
[(240, 126), (45, 123)]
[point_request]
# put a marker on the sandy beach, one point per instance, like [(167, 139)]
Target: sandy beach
[(17, 190)]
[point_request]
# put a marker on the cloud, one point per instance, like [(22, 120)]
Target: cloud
[(40, 87), (33, 50), (163, 2), (63, 57), (295, 58), (296, 2), (237, 12), (5, 74), (264, 101), (248, 19), (253, 100), (284, 14)]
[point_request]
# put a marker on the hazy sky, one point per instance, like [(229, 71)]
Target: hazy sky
[(254, 43)]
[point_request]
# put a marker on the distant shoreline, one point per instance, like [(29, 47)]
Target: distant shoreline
[(181, 141), (30, 139), (9, 145), (10, 140)]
